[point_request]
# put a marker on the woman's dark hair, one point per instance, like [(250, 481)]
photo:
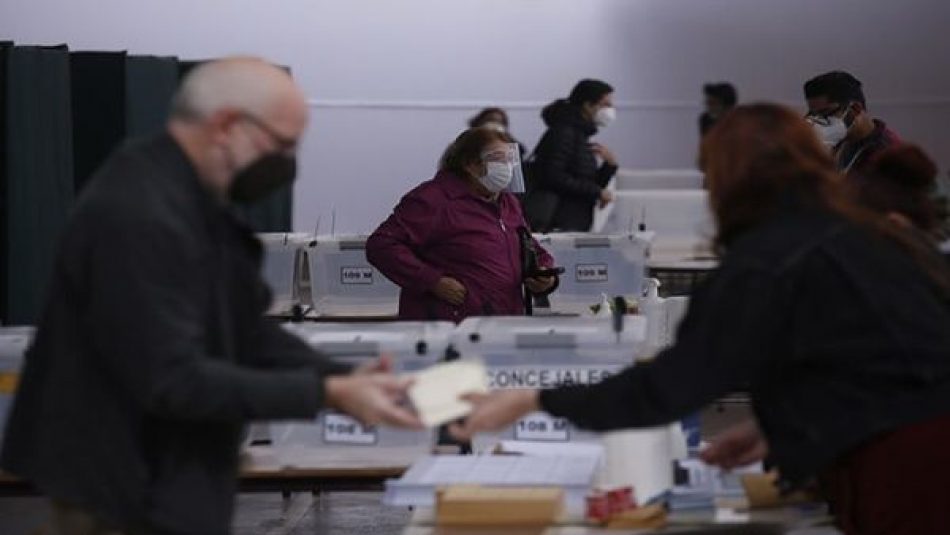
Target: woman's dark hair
[(758, 155), (901, 179), (723, 92), (589, 92), (482, 117), (468, 148)]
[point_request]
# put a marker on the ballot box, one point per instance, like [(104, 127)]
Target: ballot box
[(333, 436), (286, 269), (545, 352), (345, 284), (610, 264), (681, 219), (639, 179), (13, 344)]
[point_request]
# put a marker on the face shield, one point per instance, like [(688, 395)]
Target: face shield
[(511, 155)]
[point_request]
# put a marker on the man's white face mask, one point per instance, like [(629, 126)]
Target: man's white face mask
[(832, 129)]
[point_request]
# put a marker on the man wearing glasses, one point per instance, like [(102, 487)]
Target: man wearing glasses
[(153, 350), (837, 109)]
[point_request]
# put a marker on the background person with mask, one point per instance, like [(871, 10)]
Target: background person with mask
[(496, 119), (718, 99), (835, 321), (838, 110), (565, 182), (452, 244), (153, 351)]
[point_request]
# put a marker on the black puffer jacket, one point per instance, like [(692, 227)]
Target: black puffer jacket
[(564, 164)]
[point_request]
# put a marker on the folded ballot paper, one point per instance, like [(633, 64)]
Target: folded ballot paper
[(436, 391)]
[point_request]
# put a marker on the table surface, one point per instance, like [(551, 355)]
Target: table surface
[(728, 518), (262, 471)]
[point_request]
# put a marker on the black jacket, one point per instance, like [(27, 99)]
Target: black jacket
[(153, 352), (564, 164), (838, 334)]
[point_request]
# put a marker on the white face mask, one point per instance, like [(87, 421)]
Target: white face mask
[(497, 176), (605, 116), (832, 132)]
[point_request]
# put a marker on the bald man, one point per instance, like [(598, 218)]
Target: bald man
[(153, 350)]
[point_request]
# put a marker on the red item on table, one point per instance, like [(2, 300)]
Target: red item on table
[(620, 499), (598, 508)]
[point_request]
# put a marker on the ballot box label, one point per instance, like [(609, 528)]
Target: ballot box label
[(356, 275), (547, 376), (591, 273), (541, 427), (341, 429)]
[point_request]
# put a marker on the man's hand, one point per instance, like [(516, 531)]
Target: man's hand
[(372, 399), (450, 290), (606, 197)]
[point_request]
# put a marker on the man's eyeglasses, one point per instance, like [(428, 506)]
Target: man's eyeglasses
[(285, 144)]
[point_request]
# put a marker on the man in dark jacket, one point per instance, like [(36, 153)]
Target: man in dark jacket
[(153, 351), (837, 108), (566, 181)]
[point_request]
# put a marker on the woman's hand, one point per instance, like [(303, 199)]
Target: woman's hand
[(606, 197), (539, 285), (450, 291), (738, 445), (604, 153), (495, 411)]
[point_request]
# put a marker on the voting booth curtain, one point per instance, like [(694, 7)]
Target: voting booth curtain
[(61, 115), (38, 174)]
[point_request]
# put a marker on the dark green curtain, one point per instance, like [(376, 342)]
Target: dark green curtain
[(39, 173), (150, 83), (4, 149), (99, 105)]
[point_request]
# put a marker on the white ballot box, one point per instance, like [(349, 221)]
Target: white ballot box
[(345, 284), (611, 264), (681, 219), (286, 269), (13, 344), (639, 179), (333, 436), (544, 352)]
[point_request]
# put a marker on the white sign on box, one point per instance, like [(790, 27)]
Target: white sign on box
[(436, 392)]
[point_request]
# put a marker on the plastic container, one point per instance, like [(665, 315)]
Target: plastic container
[(344, 283), (286, 269), (640, 179), (681, 220), (333, 437), (543, 352), (14, 342), (595, 265)]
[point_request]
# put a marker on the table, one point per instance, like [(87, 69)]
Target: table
[(724, 520), (261, 473)]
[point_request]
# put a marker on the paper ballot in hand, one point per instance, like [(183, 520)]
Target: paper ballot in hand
[(435, 392)]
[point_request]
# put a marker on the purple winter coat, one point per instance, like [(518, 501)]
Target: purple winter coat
[(443, 229)]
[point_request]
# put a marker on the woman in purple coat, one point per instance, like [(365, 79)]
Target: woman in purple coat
[(453, 244)]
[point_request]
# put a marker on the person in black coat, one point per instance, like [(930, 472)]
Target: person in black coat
[(718, 99), (565, 182), (153, 351), (835, 319)]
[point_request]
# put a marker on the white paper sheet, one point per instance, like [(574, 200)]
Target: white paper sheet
[(437, 390)]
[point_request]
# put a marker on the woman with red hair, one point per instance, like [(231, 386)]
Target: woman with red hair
[(837, 321)]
